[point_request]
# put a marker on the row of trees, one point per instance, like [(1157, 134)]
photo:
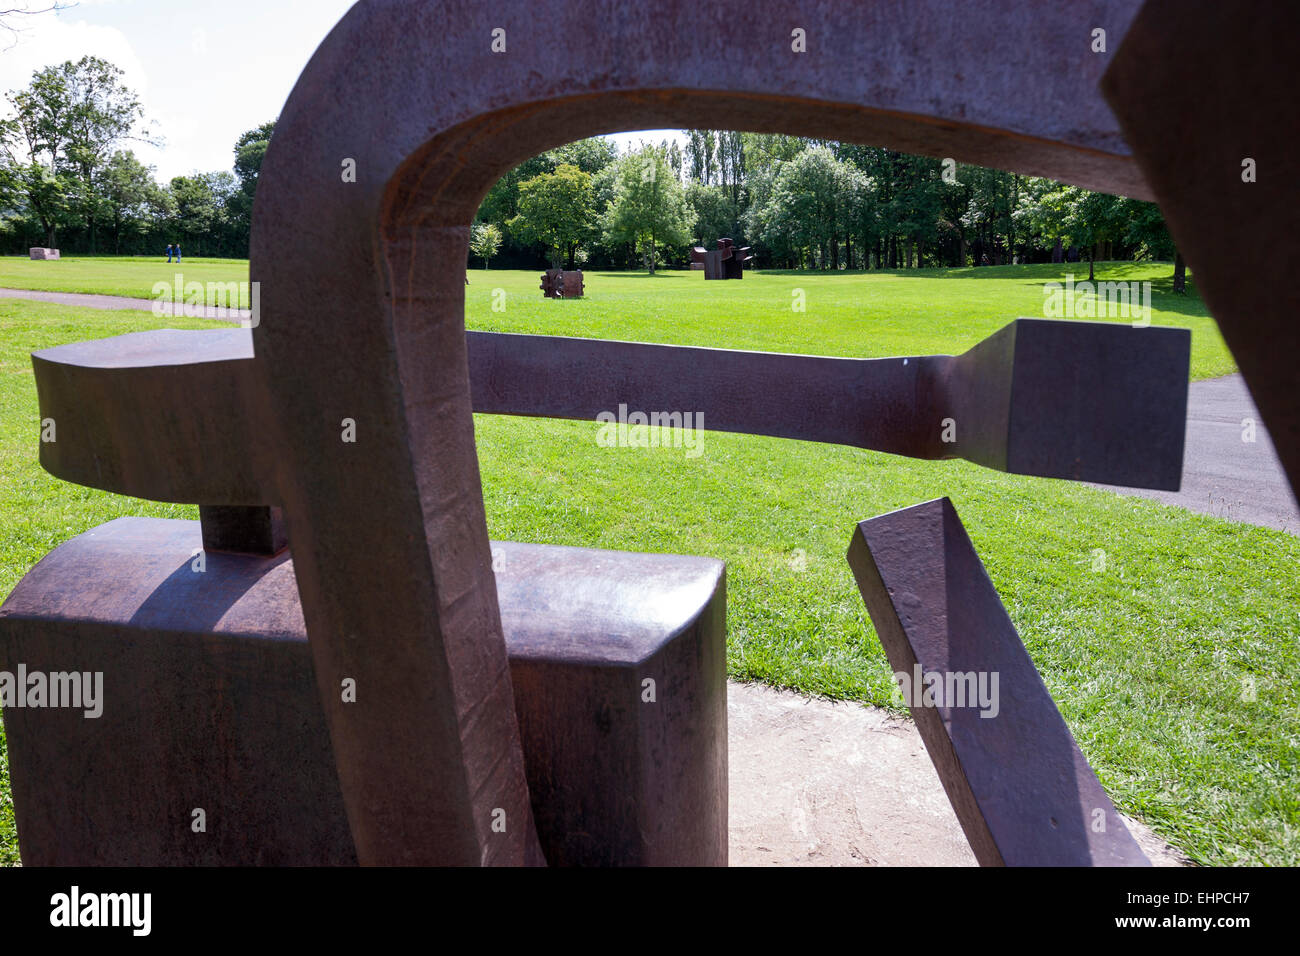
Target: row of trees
[(68, 178), (802, 204)]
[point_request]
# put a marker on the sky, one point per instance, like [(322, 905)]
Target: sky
[(205, 70)]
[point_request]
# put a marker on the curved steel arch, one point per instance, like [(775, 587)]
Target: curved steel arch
[(363, 319)]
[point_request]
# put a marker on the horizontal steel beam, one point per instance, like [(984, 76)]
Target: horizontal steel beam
[(164, 415)]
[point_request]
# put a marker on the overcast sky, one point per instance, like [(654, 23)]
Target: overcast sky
[(205, 70)]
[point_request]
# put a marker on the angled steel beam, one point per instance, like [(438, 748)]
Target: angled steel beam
[(1023, 792)]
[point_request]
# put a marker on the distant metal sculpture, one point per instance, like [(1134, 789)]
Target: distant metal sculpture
[(562, 284), (476, 716), (725, 262)]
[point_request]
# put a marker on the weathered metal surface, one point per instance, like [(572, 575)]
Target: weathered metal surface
[(562, 284), (1022, 790), (1040, 397), (1238, 237), (725, 262), (164, 415), (243, 529), (362, 320), (1087, 401), (208, 703), (619, 667), (362, 323)]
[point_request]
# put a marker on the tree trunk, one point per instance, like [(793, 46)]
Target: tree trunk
[(1092, 254), (1180, 273)]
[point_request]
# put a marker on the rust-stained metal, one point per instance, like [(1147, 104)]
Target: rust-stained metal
[(1040, 397), (725, 262), (1228, 184), (1023, 792), (361, 319), (352, 404), (207, 702), (562, 284), (243, 529)]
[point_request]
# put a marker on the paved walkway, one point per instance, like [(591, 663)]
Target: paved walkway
[(816, 783), (1222, 474), (88, 301)]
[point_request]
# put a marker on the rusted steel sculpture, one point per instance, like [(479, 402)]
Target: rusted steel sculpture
[(562, 284), (1023, 792), (725, 262), (1239, 188), (210, 705), (442, 754)]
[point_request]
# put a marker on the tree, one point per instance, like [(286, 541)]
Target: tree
[(1149, 233), (130, 195), (484, 241), (47, 195), (250, 149), (555, 211), (69, 120), (807, 209), (649, 208), (592, 156), (713, 212), (1087, 219), (11, 18), (196, 208)]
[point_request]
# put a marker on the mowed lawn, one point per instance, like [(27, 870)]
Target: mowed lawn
[(131, 276), (1147, 659), (907, 312)]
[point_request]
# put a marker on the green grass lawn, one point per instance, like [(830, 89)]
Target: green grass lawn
[(1146, 660), (906, 312), (132, 276)]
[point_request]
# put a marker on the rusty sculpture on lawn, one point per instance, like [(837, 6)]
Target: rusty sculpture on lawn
[(336, 665), (725, 262), (562, 284)]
